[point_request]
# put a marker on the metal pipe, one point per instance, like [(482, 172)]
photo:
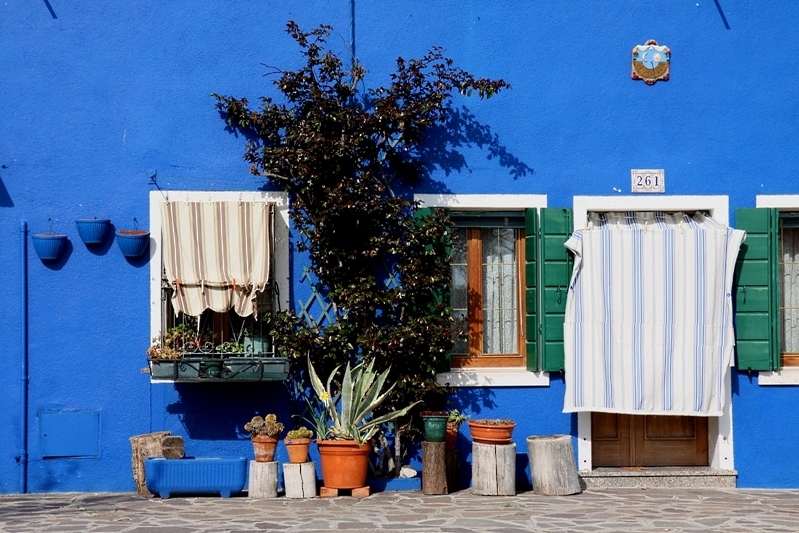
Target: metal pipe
[(23, 453)]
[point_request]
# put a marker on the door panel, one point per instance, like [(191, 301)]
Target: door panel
[(650, 440)]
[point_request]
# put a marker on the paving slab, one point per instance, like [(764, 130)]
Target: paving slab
[(602, 510)]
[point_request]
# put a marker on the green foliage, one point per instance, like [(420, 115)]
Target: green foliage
[(456, 417), (337, 150), (348, 407), (178, 341)]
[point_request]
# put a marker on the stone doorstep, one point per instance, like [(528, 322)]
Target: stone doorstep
[(657, 477)]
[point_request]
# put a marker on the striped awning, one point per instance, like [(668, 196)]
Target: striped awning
[(216, 254), (649, 314)]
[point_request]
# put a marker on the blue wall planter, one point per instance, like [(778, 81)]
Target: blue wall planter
[(133, 243), (92, 230), (49, 246)]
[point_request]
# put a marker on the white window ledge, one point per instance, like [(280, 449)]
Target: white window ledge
[(788, 375), (493, 377)]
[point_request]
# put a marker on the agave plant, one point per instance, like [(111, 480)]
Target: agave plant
[(347, 412)]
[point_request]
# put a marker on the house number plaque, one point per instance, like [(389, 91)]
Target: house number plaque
[(651, 180)]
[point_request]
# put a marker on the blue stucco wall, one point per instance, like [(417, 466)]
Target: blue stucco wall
[(97, 97)]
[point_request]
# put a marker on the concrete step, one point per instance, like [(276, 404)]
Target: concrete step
[(658, 477)]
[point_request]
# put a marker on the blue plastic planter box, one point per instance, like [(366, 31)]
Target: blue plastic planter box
[(195, 475)]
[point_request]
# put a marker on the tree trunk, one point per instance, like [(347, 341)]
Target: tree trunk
[(263, 479), (494, 469), (552, 465), (434, 468), (158, 444), (299, 479)]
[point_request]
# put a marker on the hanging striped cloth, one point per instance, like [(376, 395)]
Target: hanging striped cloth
[(216, 254), (648, 325)]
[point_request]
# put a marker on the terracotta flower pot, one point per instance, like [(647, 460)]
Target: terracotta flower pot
[(297, 449), (344, 463), (264, 447), (451, 436), (492, 431)]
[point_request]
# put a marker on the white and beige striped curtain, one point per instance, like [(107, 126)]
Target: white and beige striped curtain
[(648, 325), (216, 254)]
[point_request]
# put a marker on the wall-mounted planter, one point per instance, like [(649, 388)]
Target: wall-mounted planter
[(133, 242), (49, 246), (93, 230)]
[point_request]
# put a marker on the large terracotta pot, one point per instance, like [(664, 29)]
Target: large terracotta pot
[(344, 463), (264, 448), (492, 431), (297, 449)]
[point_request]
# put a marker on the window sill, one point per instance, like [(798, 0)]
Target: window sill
[(788, 375), (493, 377)]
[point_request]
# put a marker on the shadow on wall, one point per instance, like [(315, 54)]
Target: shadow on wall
[(464, 131), (5, 198), (218, 411), (472, 400)]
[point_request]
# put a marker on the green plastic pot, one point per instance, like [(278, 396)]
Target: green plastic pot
[(435, 427)]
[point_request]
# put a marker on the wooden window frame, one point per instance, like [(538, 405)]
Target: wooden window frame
[(787, 359), (475, 358)]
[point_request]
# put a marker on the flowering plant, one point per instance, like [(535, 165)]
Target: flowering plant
[(347, 409)]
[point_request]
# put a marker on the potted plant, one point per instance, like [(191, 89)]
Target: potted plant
[(379, 267), (345, 424), (435, 425), (169, 354), (492, 430), (263, 433), (297, 442), (454, 421)]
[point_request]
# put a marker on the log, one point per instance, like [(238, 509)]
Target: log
[(299, 479), (453, 470), (157, 444), (434, 468), (263, 480), (552, 465), (172, 447), (494, 469)]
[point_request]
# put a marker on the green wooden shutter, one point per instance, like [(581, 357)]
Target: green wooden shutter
[(440, 296), (531, 282), (556, 270), (756, 291)]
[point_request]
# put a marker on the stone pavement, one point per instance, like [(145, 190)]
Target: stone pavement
[(596, 510)]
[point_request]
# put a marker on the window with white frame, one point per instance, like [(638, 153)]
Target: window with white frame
[(767, 297), (489, 288), (219, 265)]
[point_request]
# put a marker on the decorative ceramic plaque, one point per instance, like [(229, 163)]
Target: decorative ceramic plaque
[(650, 62)]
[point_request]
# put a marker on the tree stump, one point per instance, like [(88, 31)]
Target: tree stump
[(434, 468), (158, 444), (263, 480), (494, 469), (552, 465), (299, 479), (453, 470)]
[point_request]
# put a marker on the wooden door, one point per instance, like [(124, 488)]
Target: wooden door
[(648, 440)]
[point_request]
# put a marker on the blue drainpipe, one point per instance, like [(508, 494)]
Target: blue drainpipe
[(23, 453)]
